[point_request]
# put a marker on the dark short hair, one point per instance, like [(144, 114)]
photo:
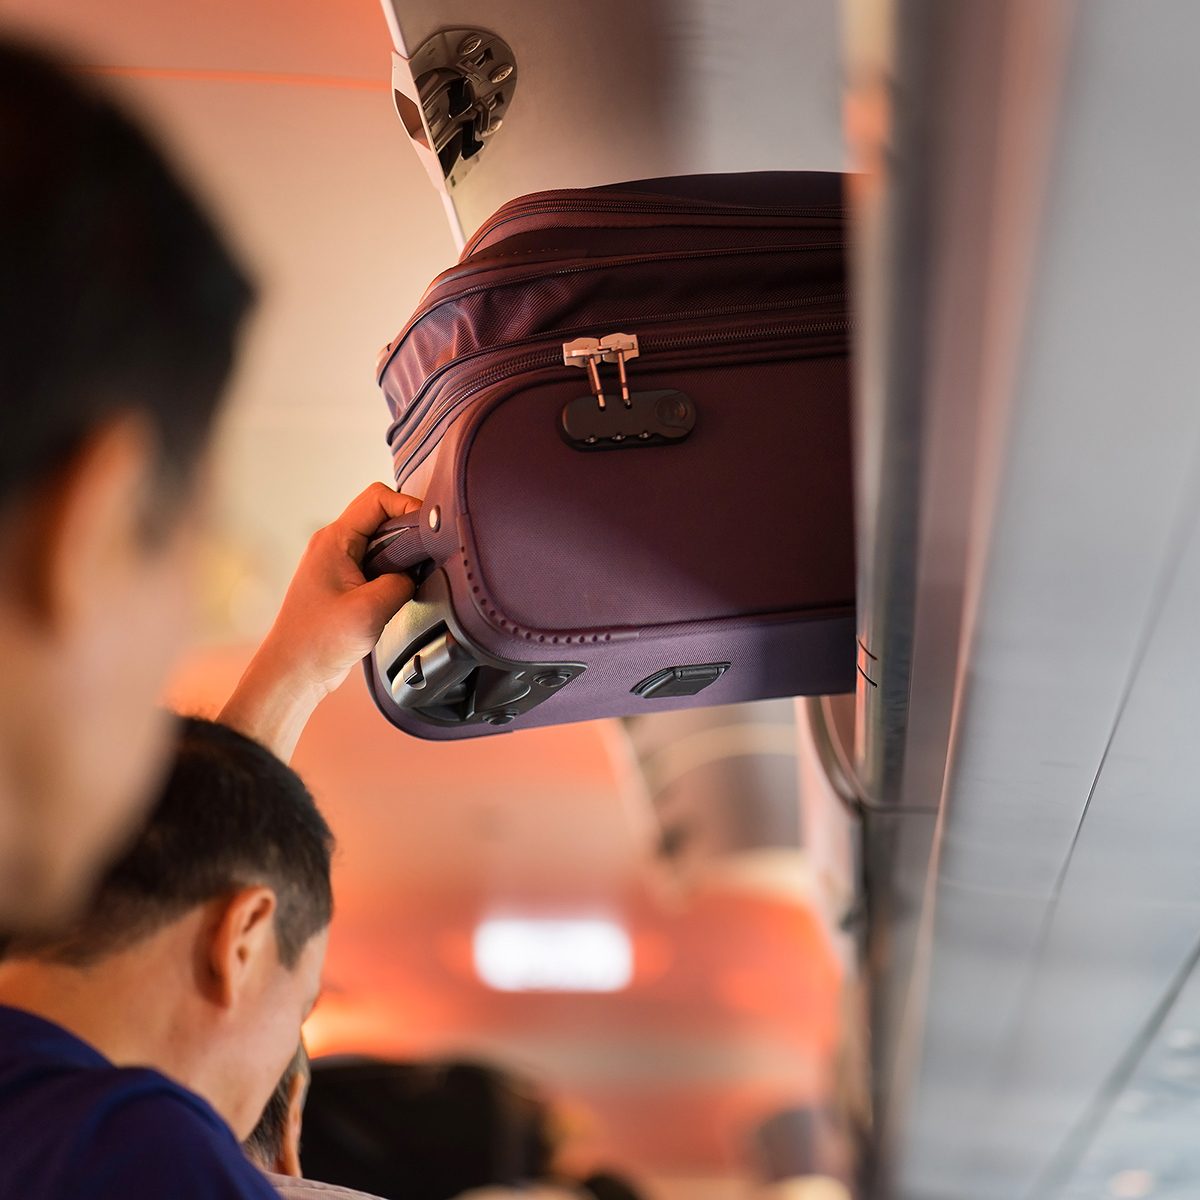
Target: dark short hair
[(230, 815), (607, 1185), (117, 294), (265, 1143), (424, 1130)]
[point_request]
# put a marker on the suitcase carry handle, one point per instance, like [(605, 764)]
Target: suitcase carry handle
[(396, 546)]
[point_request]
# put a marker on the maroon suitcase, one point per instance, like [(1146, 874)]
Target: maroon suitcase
[(627, 412)]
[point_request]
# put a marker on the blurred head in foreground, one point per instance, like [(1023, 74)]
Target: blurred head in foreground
[(119, 314)]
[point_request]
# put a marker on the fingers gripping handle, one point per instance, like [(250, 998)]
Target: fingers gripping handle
[(397, 546)]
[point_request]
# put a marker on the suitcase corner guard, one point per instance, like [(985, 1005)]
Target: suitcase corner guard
[(425, 666)]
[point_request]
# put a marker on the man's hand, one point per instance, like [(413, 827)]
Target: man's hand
[(331, 617)]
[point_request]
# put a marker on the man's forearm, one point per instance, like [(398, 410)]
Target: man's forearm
[(272, 703), (331, 616)]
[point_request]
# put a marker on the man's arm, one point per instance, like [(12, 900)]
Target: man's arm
[(331, 617)]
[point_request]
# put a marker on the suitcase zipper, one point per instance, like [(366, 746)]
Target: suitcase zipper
[(651, 344), (698, 209), (605, 264), (730, 310)]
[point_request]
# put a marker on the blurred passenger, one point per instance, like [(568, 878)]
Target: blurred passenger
[(601, 1185), (274, 1144), (529, 1191), (607, 1185), (134, 1042), (120, 308), (424, 1131), (452, 1130)]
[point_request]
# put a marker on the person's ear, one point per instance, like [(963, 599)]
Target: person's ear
[(86, 525), (288, 1162), (241, 939)]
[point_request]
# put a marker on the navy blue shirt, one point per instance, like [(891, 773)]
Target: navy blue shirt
[(73, 1126)]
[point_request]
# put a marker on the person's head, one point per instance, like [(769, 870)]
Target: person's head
[(202, 951), (425, 1130), (274, 1143), (119, 313), (608, 1185)]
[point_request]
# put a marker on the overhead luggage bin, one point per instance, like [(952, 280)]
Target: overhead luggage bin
[(1029, 523), (518, 96)]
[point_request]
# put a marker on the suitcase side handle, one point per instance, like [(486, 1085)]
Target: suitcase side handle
[(396, 546)]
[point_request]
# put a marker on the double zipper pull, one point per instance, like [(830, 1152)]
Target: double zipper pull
[(590, 352)]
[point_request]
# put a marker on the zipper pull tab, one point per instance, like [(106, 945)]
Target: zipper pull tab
[(586, 352), (590, 352), (619, 348)]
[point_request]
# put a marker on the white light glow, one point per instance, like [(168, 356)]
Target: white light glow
[(531, 954), (808, 1187), (1132, 1185)]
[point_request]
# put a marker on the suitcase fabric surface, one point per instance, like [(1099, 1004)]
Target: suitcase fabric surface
[(627, 413)]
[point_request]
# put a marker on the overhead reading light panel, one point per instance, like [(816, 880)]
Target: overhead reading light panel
[(533, 954), (612, 92), (451, 97)]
